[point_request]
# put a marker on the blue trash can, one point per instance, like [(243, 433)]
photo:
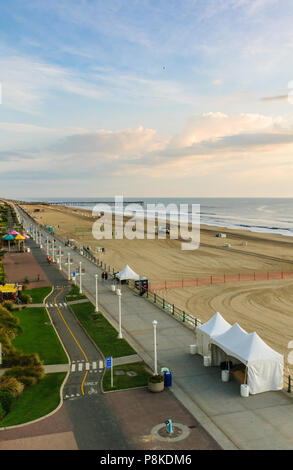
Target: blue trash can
[(168, 379)]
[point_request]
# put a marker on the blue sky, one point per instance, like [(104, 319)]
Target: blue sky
[(146, 98)]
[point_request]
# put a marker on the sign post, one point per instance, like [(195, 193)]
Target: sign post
[(109, 365)]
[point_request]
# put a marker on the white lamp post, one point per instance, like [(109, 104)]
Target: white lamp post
[(80, 286), (53, 251), (60, 266), (155, 347), (68, 261), (47, 242), (97, 293), (119, 307)]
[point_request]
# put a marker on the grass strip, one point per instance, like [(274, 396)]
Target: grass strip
[(36, 401), (101, 331), (74, 294), (121, 382), (38, 336), (38, 294)]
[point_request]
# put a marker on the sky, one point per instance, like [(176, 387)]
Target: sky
[(146, 98)]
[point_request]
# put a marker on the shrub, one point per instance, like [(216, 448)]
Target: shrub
[(12, 386), (18, 358), (8, 304), (6, 401), (25, 298), (156, 379), (5, 340), (28, 381), (19, 373)]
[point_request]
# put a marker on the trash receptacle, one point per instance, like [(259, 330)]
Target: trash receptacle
[(192, 348), (168, 379)]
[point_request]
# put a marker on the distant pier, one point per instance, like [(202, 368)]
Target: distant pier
[(75, 203)]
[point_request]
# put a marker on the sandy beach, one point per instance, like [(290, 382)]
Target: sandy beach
[(262, 306)]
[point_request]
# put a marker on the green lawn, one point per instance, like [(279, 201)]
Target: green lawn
[(36, 401), (74, 294), (121, 382), (38, 294), (101, 331), (39, 337)]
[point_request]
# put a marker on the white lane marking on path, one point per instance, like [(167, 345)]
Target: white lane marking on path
[(80, 366), (94, 365), (87, 366)]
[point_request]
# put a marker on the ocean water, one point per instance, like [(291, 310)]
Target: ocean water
[(270, 215)]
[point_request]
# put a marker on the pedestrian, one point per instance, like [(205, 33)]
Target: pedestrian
[(103, 275), (106, 275)]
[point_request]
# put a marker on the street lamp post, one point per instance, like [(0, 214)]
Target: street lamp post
[(60, 266), (119, 307), (47, 242), (69, 274), (97, 293), (80, 285), (155, 347)]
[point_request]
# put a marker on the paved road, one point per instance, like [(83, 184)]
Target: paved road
[(93, 422)]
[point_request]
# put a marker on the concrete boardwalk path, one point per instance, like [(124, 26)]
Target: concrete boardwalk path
[(263, 421)]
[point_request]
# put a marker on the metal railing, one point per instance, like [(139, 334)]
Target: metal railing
[(163, 303)]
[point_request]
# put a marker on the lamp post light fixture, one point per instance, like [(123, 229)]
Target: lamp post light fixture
[(155, 347), (119, 310), (97, 293)]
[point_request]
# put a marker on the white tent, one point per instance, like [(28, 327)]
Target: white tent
[(264, 365), (223, 344), (127, 273), (213, 327)]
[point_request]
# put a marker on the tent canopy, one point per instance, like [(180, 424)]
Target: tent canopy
[(215, 325), (230, 339), (252, 349), (264, 365), (127, 273)]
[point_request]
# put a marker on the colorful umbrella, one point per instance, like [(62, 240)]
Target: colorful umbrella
[(8, 237), (14, 232), (25, 235), (19, 237)]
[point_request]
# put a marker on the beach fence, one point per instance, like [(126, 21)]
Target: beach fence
[(220, 279)]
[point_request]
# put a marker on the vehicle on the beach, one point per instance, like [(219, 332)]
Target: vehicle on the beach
[(163, 229)]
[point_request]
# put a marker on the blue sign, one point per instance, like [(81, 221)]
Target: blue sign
[(73, 275), (108, 362)]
